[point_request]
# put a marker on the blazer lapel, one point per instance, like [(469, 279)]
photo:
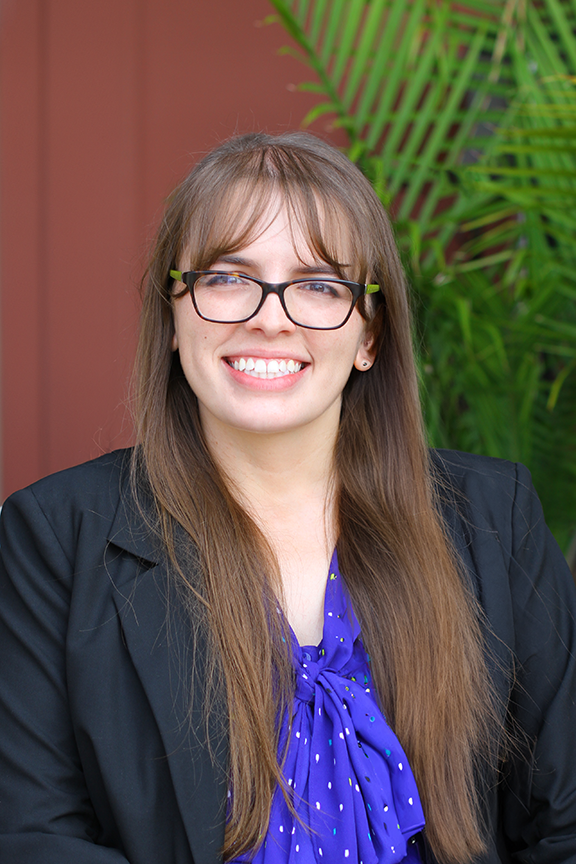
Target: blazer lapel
[(169, 654)]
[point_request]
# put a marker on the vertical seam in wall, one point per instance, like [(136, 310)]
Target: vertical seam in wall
[(141, 95), (139, 175), (43, 251), (2, 390)]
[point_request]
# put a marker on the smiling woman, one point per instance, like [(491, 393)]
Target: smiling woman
[(316, 357), (279, 629)]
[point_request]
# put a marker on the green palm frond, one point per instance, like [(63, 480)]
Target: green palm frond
[(397, 76), (463, 116)]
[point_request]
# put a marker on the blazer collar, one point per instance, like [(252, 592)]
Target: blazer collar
[(129, 529), (168, 651)]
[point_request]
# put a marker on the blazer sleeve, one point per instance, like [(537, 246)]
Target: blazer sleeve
[(46, 816), (538, 802)]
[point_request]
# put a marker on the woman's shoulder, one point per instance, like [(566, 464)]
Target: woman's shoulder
[(496, 522), (64, 502), (98, 478), (96, 471), (491, 504), (463, 469), (483, 489)]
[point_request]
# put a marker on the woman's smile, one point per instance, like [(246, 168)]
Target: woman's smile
[(258, 367), (266, 375)]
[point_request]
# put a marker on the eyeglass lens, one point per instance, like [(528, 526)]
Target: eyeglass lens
[(229, 297)]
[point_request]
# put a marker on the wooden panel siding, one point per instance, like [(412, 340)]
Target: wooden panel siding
[(103, 107)]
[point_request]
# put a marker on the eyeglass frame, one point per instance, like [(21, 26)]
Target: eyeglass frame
[(190, 277)]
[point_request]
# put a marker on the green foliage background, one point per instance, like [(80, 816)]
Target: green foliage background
[(463, 116)]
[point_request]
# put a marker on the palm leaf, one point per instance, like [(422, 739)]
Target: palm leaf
[(464, 119)]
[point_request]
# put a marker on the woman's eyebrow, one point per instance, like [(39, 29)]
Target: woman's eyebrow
[(319, 269), (237, 260)]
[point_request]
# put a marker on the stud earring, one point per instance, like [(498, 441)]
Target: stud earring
[(365, 364)]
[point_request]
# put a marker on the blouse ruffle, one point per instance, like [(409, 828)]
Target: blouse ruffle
[(353, 789)]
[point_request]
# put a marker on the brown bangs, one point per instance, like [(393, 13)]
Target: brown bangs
[(245, 199)]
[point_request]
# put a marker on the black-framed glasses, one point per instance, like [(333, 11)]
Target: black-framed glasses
[(232, 298)]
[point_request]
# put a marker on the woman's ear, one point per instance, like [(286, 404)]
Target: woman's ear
[(174, 342), (366, 353)]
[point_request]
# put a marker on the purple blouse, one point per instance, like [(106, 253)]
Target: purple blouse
[(353, 788)]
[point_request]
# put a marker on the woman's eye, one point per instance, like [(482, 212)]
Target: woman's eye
[(323, 289), (215, 280)]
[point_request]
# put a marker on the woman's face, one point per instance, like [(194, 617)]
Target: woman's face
[(231, 397)]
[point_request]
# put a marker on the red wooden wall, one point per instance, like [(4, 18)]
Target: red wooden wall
[(104, 106)]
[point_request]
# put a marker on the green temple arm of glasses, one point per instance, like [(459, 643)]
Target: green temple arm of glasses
[(370, 289)]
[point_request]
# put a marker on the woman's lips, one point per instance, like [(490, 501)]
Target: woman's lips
[(268, 369)]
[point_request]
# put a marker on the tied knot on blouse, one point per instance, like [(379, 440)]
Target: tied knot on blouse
[(353, 790)]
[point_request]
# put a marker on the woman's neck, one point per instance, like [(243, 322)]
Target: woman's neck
[(272, 470), (285, 481)]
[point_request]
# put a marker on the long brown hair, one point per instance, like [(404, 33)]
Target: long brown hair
[(419, 622)]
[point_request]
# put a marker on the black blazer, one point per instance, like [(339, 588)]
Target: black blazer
[(98, 761)]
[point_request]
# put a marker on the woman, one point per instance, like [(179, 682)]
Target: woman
[(192, 671)]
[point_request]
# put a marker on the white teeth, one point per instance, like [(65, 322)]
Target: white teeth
[(260, 368)]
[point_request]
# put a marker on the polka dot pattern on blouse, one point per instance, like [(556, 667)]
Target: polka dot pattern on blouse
[(353, 789)]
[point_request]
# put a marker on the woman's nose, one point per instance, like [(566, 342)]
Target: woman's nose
[(271, 318)]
